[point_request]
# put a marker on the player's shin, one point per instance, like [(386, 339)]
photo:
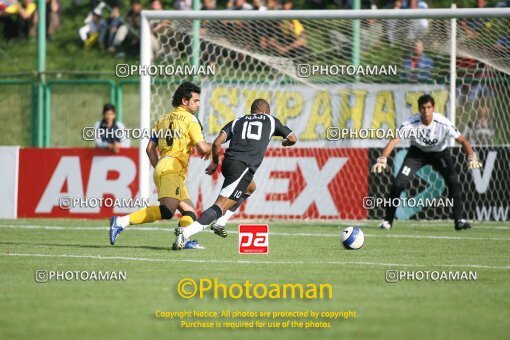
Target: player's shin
[(230, 212), (188, 217), (455, 193), (207, 217), (146, 215), (391, 209), (222, 221)]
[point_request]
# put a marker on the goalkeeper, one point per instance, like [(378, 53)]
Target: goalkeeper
[(175, 135), (428, 147)]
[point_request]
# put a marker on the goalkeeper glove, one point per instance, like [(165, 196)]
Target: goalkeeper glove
[(473, 162), (380, 165)]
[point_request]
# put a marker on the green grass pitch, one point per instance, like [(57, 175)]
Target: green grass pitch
[(308, 252)]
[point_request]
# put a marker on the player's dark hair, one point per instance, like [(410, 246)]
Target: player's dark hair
[(260, 106), (108, 107), (426, 98), (185, 90)]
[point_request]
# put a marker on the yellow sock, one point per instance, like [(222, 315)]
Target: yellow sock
[(185, 221), (145, 215)]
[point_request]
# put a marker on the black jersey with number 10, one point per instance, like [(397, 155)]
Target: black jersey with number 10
[(250, 135)]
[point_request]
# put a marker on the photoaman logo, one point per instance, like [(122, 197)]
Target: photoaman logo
[(253, 239)]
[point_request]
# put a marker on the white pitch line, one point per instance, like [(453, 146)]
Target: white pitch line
[(271, 233), (428, 224), (142, 259), (396, 236)]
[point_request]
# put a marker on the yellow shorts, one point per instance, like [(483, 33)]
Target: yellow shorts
[(169, 177)]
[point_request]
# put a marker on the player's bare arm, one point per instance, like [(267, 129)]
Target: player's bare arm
[(216, 148), (380, 165), (473, 162), (152, 153), (290, 140), (203, 148)]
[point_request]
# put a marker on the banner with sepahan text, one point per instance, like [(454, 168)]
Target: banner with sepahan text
[(311, 110)]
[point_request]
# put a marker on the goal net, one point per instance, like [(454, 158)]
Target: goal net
[(323, 73)]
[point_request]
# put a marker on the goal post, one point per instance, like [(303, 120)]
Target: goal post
[(248, 50), (145, 108)]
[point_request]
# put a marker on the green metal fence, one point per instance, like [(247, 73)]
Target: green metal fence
[(128, 104), (71, 105), (17, 112)]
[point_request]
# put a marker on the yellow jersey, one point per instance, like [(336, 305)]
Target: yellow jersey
[(293, 28), (178, 132), (14, 8)]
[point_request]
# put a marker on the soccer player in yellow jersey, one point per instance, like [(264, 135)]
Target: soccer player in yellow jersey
[(175, 134)]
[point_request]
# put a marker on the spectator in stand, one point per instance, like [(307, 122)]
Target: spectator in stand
[(474, 26), (395, 29), (418, 66), (290, 41), (133, 19), (268, 28), (94, 30), (243, 30), (417, 28), (18, 18), (8, 19), (210, 52), (372, 34), (239, 5), (258, 5), (481, 131), (157, 29), (130, 29), (27, 16), (156, 5), (53, 13), (272, 5), (209, 5), (183, 5), (107, 136), (114, 23), (470, 67), (503, 44)]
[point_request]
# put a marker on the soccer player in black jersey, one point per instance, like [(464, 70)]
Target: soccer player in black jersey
[(249, 138)]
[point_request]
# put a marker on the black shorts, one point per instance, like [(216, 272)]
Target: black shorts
[(415, 159), (238, 176)]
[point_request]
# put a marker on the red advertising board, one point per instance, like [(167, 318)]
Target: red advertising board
[(47, 175), (310, 183), (292, 183)]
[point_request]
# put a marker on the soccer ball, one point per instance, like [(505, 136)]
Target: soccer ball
[(352, 238)]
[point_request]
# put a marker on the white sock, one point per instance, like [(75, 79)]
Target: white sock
[(224, 219), (124, 221), (192, 229)]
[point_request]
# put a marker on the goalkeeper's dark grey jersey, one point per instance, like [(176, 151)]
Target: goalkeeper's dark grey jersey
[(250, 135)]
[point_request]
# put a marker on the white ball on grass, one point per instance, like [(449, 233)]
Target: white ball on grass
[(352, 238)]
